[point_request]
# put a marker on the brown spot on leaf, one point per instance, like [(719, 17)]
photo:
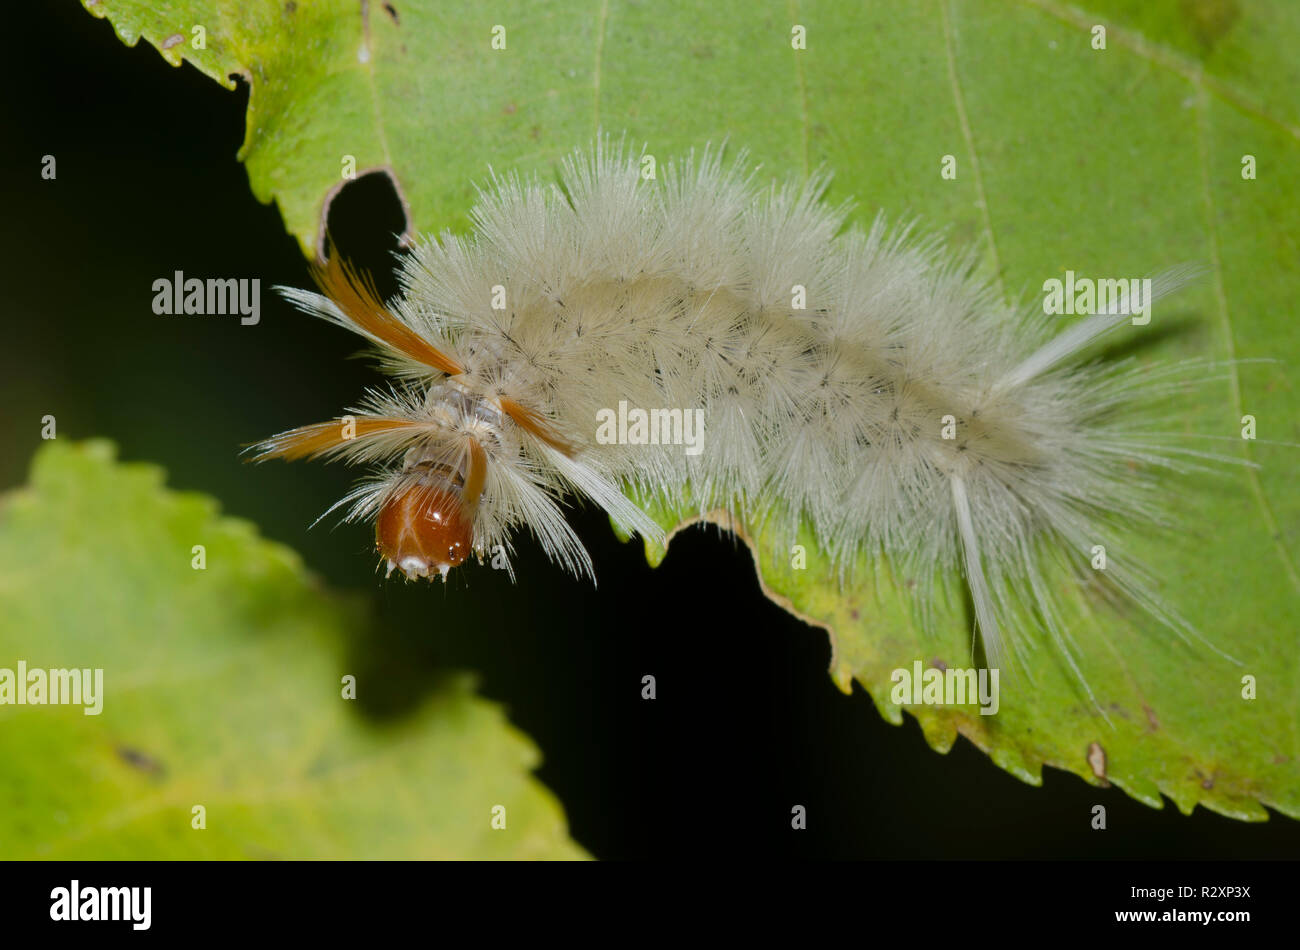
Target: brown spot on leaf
[(938, 664), (510, 108), (140, 760), (392, 12), (1210, 20), (1097, 762), (291, 7), (173, 40), (1151, 717)]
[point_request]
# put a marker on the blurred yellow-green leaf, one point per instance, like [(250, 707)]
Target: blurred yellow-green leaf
[(223, 688)]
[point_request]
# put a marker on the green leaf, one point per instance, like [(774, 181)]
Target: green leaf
[(1114, 161), (222, 688)]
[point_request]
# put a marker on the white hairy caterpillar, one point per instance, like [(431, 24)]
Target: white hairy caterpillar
[(865, 384)]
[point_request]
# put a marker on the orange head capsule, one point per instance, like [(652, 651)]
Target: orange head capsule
[(422, 530)]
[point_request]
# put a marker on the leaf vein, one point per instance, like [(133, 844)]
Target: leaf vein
[(959, 101)]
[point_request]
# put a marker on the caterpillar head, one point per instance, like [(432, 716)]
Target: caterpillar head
[(423, 530), (475, 462)]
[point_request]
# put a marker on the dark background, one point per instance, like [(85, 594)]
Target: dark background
[(747, 722)]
